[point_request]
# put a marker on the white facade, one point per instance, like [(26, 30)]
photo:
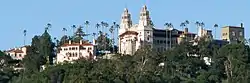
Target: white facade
[(131, 37), (74, 51), (17, 53), (134, 36)]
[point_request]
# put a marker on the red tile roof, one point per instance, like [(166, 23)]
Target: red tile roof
[(15, 51), (77, 44), (129, 32), (18, 51)]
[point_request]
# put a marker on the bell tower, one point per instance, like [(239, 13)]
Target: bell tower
[(126, 21), (144, 17)]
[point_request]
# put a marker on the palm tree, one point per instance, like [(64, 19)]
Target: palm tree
[(116, 26), (187, 23), (215, 26), (73, 28), (48, 27), (97, 27), (111, 30), (94, 34), (106, 25), (183, 25), (202, 24), (86, 24), (24, 35), (102, 24), (169, 26), (198, 24), (64, 31)]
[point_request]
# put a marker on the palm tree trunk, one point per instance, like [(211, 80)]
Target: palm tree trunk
[(24, 40), (113, 42), (215, 33), (166, 39), (170, 42), (73, 31)]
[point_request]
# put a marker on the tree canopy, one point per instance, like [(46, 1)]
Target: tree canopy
[(229, 64)]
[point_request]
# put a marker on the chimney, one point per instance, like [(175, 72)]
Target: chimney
[(241, 25), (185, 30), (69, 41), (80, 42)]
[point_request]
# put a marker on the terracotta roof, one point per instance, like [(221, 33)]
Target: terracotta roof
[(129, 32), (77, 44), (15, 51), (18, 51)]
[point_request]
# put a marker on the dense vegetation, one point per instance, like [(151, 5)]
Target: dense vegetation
[(229, 64)]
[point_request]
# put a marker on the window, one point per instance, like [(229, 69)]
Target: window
[(20, 55), (224, 34), (82, 48), (148, 38), (69, 54), (164, 41), (158, 41), (241, 34), (70, 48), (75, 54), (161, 42), (233, 33), (73, 48)]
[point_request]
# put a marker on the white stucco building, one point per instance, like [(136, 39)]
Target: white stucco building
[(134, 36), (17, 53), (73, 51)]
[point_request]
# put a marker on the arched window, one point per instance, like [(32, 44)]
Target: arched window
[(75, 54), (69, 54)]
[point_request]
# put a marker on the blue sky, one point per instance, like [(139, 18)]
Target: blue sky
[(33, 15)]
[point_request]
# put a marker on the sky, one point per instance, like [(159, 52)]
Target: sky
[(33, 15)]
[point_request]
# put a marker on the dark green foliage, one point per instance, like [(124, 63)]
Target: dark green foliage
[(6, 71), (103, 42), (47, 46), (230, 64), (41, 52), (64, 39), (78, 35)]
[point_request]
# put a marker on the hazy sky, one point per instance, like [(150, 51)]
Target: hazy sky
[(33, 15)]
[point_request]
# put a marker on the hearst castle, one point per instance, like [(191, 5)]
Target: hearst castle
[(133, 36)]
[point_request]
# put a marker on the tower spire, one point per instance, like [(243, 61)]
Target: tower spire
[(126, 21), (144, 17)]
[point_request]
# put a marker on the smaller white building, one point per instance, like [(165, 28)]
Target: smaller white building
[(73, 51), (17, 53)]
